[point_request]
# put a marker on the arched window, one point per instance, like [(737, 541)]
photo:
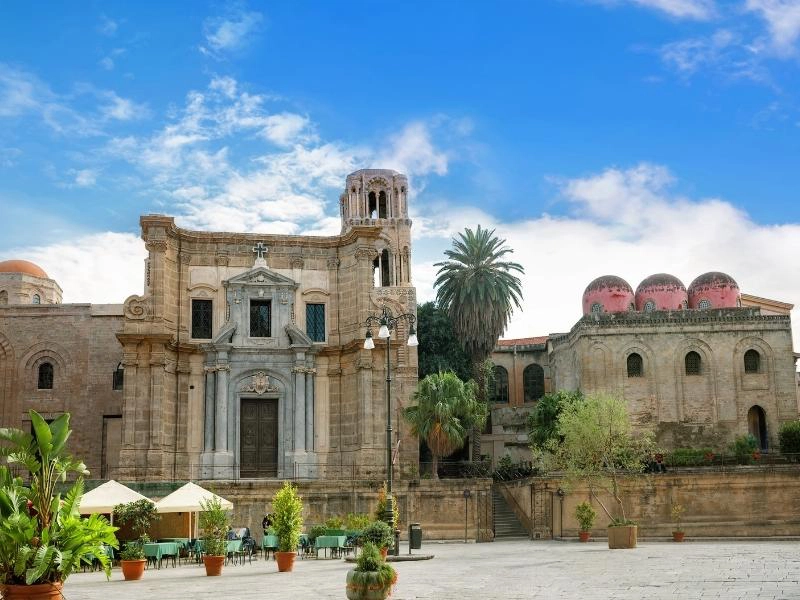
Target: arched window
[(533, 382), (372, 208), (498, 391), (36, 299), (597, 308), (757, 426), (704, 304), (752, 361), (3, 297), (45, 376), (635, 365), (693, 363), (649, 306), (382, 212)]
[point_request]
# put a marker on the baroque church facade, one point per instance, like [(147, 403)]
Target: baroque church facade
[(242, 358)]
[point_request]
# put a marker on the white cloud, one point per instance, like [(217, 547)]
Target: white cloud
[(230, 33), (100, 268), (107, 27), (783, 20), (626, 222), (699, 10), (412, 152), (285, 128), (85, 177), (122, 109)]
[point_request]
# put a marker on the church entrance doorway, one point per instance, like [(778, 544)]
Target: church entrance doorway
[(259, 438), (757, 426)]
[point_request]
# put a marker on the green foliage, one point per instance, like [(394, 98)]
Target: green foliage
[(287, 507), (790, 437), (371, 570), (445, 410), (214, 522), (543, 420), (379, 533), (676, 512), (585, 515), (743, 448), (380, 508), (134, 549), (477, 289), (357, 521), (439, 349), (598, 446), (43, 538), (334, 522), (315, 532), (140, 515), (688, 457)]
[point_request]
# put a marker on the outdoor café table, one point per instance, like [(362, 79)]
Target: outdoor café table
[(158, 550), (334, 542), (269, 542), (233, 550)]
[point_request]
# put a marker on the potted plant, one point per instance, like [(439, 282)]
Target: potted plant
[(677, 518), (43, 538), (214, 523), (138, 515), (585, 515), (372, 578), (287, 508), (596, 447), (380, 534)]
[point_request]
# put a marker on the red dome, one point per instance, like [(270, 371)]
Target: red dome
[(661, 292), (608, 293), (22, 266), (714, 290)]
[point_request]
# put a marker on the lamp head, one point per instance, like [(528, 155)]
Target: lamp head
[(383, 332), (412, 337), (368, 343)]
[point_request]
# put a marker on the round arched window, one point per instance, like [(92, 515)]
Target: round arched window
[(704, 304), (36, 299), (597, 308), (649, 306)]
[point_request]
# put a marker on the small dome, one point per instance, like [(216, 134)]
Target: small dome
[(714, 290), (608, 293), (22, 266), (661, 291)]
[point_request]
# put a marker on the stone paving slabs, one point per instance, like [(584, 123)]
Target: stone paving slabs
[(509, 569)]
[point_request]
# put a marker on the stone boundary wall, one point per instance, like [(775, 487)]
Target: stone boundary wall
[(740, 502)]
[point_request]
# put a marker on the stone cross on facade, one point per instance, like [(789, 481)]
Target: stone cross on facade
[(260, 250)]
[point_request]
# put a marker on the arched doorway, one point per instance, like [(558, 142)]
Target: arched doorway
[(757, 425)]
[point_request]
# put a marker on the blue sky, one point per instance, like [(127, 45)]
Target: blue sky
[(596, 136)]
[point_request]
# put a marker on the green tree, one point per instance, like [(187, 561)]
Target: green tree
[(439, 349), (446, 409), (598, 446), (477, 288), (543, 420)]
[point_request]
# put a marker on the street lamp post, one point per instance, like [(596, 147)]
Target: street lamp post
[(386, 323)]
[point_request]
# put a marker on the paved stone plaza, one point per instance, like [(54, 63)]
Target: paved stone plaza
[(513, 569)]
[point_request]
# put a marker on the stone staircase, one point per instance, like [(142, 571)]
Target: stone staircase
[(506, 524)]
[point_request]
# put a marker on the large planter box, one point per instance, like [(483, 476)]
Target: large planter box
[(622, 536)]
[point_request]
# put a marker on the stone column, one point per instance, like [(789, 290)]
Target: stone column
[(299, 422), (310, 410), (208, 417), (221, 410)]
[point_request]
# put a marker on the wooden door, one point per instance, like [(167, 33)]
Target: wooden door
[(259, 438)]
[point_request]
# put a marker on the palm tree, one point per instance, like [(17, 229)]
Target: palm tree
[(445, 411), (478, 289)]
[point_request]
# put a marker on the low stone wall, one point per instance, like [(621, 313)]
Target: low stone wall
[(739, 502)]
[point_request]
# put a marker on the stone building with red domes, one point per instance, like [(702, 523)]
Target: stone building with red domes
[(698, 365)]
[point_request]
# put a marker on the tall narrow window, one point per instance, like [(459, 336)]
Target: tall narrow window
[(752, 361), (315, 322), (3, 297), (635, 365), (382, 212), (385, 270), (372, 208), (260, 318), (201, 319), (118, 379), (498, 391), (533, 382), (693, 363), (45, 376)]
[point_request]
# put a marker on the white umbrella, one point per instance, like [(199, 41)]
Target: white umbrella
[(187, 499), (104, 498)]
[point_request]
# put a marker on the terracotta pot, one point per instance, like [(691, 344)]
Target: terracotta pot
[(622, 536), (584, 536), (213, 565), (366, 590), (285, 561), (132, 569), (677, 536), (41, 591), (384, 553)]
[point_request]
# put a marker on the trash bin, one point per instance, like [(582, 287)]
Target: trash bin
[(414, 536)]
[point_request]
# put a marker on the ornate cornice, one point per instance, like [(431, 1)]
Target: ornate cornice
[(156, 245)]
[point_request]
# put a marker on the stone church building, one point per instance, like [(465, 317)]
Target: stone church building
[(698, 366), (242, 358)]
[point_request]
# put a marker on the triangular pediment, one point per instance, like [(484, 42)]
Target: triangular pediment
[(262, 276)]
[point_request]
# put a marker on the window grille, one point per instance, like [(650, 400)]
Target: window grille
[(635, 366), (315, 322), (533, 382), (498, 391), (752, 361), (704, 304), (260, 318), (649, 306), (45, 376), (693, 363), (597, 308), (202, 319)]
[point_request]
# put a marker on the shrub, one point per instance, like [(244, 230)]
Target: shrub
[(380, 509), (379, 533), (743, 448), (140, 515), (371, 569), (585, 515), (356, 522), (315, 532), (790, 437), (287, 507), (688, 457), (334, 523), (214, 522), (677, 516), (543, 420)]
